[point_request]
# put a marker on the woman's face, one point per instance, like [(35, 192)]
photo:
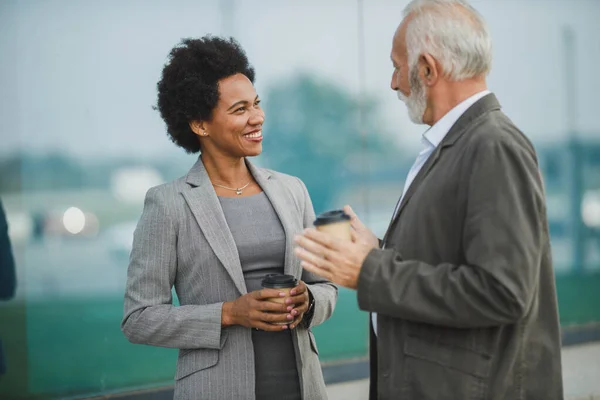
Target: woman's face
[(236, 126)]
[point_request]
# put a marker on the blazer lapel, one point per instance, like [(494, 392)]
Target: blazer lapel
[(419, 178), (205, 206), (281, 204), (413, 187)]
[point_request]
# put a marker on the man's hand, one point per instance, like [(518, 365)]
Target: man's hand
[(360, 232), (337, 260)]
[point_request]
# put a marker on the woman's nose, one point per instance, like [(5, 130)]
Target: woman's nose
[(258, 117)]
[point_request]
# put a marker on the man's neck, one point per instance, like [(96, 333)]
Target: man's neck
[(226, 171), (451, 95)]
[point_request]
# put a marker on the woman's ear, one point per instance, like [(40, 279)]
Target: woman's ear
[(198, 128)]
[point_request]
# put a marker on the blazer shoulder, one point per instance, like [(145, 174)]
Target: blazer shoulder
[(496, 129), (289, 181), (168, 192)]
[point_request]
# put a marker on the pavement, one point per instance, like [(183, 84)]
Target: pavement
[(581, 376)]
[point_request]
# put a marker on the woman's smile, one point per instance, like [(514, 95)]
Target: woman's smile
[(254, 136)]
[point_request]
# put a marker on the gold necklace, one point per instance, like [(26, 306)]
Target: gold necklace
[(238, 191)]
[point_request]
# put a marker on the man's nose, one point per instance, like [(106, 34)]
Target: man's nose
[(393, 83)]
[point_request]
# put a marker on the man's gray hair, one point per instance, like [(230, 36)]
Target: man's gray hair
[(453, 32)]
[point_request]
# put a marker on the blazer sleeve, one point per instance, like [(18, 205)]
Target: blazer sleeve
[(149, 315), (323, 291), (8, 281), (504, 236)]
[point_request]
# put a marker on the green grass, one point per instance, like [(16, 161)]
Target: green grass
[(75, 346), (578, 298), (346, 334)]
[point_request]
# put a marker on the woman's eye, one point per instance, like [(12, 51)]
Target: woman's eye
[(257, 102), (240, 109)]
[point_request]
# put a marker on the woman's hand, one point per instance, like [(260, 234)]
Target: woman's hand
[(255, 310), (297, 303)]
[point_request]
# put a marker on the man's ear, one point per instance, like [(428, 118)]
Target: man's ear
[(428, 69)]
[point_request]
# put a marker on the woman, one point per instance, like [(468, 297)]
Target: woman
[(214, 234)]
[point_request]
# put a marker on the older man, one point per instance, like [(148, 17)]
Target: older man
[(462, 286)]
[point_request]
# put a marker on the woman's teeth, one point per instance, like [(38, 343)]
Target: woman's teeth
[(254, 134)]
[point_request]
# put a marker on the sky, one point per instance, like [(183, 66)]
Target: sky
[(79, 76)]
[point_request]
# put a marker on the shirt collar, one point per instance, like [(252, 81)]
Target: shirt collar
[(434, 135)]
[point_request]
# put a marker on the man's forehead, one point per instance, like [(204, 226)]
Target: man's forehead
[(399, 41)]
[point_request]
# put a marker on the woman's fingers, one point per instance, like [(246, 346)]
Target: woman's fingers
[(296, 300), (271, 306), (263, 326), (274, 317), (297, 321)]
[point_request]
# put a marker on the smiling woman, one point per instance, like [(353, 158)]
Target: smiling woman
[(215, 234), (235, 126)]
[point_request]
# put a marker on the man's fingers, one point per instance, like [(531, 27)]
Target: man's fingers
[(311, 256), (354, 220), (348, 210), (316, 270), (313, 247), (306, 243), (354, 235), (322, 239)]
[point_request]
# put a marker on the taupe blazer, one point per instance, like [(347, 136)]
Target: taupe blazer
[(465, 290), (182, 241)]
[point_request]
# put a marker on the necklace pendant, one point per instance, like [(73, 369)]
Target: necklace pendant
[(239, 192)]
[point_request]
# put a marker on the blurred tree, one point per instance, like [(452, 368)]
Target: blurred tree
[(10, 174), (28, 171), (312, 131), (25, 171)]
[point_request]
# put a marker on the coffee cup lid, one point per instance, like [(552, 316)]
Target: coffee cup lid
[(329, 217), (277, 281)]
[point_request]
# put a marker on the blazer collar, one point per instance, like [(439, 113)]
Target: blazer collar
[(207, 210), (487, 103)]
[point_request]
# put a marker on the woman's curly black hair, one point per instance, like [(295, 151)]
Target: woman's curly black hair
[(188, 89)]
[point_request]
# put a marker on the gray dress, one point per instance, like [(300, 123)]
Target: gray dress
[(260, 240)]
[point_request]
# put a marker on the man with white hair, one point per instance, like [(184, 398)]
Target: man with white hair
[(461, 288)]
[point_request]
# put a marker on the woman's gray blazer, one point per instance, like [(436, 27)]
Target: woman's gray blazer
[(182, 240)]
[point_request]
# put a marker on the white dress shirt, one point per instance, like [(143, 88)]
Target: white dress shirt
[(431, 140)]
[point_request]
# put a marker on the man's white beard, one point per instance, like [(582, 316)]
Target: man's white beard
[(416, 102)]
